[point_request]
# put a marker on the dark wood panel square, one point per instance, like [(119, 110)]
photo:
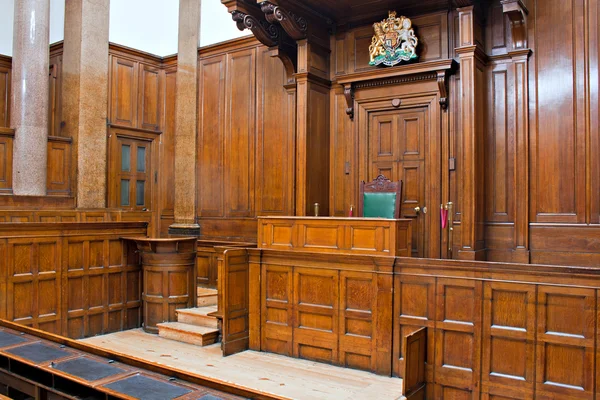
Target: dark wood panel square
[(39, 352), (144, 388), (88, 369), (8, 339)]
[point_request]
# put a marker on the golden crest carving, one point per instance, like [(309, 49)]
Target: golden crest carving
[(394, 41)]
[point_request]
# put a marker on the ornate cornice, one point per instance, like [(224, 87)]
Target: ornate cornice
[(426, 71)]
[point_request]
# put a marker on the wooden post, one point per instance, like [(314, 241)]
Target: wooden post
[(471, 56)]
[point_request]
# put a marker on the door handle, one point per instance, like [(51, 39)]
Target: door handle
[(419, 209)]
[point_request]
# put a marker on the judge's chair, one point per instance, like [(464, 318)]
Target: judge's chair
[(380, 198)]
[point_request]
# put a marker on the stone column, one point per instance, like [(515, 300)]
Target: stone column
[(29, 106), (85, 96), (186, 110)]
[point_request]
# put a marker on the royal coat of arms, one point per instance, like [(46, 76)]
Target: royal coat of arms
[(394, 41)]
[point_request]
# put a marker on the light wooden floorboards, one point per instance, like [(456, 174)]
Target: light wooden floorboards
[(270, 373)]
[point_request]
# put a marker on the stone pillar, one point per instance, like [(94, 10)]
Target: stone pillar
[(85, 96), (29, 105), (186, 110)]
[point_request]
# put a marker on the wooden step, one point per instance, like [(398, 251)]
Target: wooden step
[(197, 316), (207, 297), (192, 334)]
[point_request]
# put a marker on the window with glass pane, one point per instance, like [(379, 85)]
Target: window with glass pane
[(141, 159), (124, 192), (126, 158), (139, 193)]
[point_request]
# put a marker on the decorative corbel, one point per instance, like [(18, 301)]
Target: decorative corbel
[(442, 80), (349, 95), (294, 25), (288, 55), (271, 35), (517, 15), (266, 33)]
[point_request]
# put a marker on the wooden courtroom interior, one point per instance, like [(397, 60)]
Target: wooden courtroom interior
[(213, 197)]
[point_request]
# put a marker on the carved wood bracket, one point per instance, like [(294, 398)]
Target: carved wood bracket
[(426, 71), (517, 15), (349, 95), (442, 80), (266, 33), (271, 35), (294, 25)]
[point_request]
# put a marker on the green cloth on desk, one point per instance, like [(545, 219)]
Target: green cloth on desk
[(379, 205)]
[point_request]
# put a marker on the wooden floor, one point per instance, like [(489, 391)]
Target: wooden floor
[(269, 373)]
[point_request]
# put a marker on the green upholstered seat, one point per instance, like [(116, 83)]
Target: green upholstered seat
[(379, 205)]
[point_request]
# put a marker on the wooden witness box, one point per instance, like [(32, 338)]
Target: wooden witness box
[(374, 236), (168, 269)]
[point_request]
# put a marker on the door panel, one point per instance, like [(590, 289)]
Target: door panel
[(384, 141), (412, 174), (397, 150)]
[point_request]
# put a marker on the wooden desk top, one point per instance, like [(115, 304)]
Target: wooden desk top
[(327, 218), (375, 236)]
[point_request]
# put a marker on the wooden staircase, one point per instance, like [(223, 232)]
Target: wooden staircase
[(194, 325)]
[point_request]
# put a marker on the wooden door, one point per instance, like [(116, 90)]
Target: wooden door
[(132, 170), (135, 170), (397, 149)]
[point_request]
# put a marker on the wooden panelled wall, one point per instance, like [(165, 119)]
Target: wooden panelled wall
[(494, 330), (246, 141), (542, 181), (564, 161), (75, 280), (246, 132), (141, 102)]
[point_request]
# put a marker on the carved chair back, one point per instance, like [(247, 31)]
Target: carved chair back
[(380, 198)]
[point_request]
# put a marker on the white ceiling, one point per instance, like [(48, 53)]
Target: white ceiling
[(148, 25)]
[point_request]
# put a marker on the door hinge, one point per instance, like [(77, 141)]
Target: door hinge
[(155, 176), (452, 164)]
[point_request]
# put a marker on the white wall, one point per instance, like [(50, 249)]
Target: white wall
[(148, 25)]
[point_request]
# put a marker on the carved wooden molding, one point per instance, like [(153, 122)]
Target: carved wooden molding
[(266, 33), (461, 3), (294, 25), (271, 35), (443, 87), (517, 15), (432, 70), (349, 95)]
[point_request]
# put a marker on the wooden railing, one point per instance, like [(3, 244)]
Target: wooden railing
[(72, 279), (515, 331)]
